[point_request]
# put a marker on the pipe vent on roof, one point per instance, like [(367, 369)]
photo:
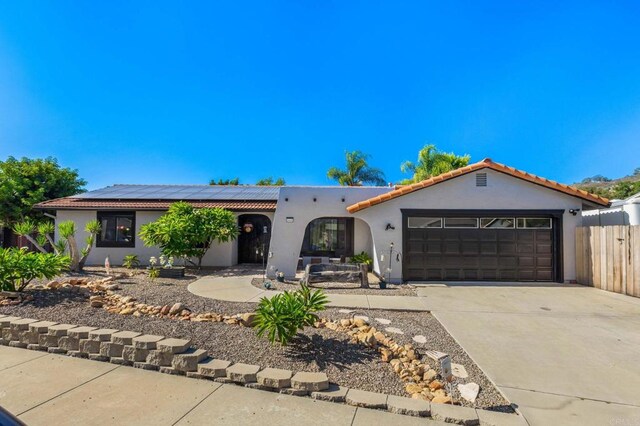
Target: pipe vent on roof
[(481, 179)]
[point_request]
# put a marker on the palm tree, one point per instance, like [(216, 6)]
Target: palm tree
[(358, 172), (432, 162)]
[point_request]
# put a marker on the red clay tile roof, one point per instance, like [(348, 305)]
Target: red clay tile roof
[(484, 164), (70, 203)]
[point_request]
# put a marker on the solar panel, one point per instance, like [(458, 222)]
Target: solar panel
[(184, 192)]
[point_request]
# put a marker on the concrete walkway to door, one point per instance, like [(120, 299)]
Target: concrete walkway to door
[(565, 354), (234, 285)]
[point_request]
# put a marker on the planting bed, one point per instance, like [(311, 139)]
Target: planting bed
[(346, 363)]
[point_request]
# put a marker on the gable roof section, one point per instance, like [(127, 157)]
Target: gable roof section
[(484, 164)]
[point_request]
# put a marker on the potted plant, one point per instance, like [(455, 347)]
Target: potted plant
[(362, 258), (383, 284), (167, 270)]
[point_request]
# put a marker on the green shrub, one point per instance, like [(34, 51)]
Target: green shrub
[(284, 314), (362, 257), (131, 261), (18, 267)]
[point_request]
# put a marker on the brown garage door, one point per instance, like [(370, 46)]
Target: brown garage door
[(499, 248)]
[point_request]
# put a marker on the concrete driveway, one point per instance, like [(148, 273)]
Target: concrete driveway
[(565, 354)]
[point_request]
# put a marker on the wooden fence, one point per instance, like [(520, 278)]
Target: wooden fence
[(608, 258)]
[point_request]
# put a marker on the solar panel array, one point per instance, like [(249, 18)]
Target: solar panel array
[(183, 192)]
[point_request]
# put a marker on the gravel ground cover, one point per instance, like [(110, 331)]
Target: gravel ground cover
[(345, 363), (342, 288)]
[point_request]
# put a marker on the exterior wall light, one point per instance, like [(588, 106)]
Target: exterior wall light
[(343, 199), (314, 199), (574, 211)]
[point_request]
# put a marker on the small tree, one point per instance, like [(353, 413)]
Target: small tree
[(44, 230), (270, 182), (188, 232), (18, 267), (68, 232), (234, 182), (357, 171), (432, 162)]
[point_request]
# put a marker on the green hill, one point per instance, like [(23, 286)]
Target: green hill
[(619, 188)]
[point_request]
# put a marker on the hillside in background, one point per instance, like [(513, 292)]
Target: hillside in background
[(619, 188)]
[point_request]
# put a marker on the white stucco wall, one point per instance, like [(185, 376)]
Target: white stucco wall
[(297, 202), (502, 192), (225, 254)]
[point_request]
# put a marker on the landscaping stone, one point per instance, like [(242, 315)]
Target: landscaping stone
[(124, 337), (393, 330), (383, 321), (36, 347), (89, 346), (408, 406), (188, 361), (214, 368), (159, 359), (334, 393), (145, 366), (173, 346), (147, 341), (171, 370), (454, 414), (102, 334), (469, 391), (496, 418), (420, 339), (6, 321), (365, 399), (71, 342), (21, 323), (243, 373), (110, 349), (95, 357), (275, 378), (459, 371), (346, 311), (58, 351), (17, 344), (120, 361), (60, 330), (310, 382), (258, 386), (224, 380), (133, 354), (294, 392), (32, 336)]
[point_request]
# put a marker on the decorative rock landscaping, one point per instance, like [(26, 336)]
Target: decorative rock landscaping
[(185, 359), (315, 347)]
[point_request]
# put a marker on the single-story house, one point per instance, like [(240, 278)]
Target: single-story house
[(483, 222), (621, 212)]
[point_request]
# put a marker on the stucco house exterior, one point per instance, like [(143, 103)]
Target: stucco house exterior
[(621, 212), (483, 222)]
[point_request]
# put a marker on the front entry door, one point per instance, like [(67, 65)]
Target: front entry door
[(253, 241)]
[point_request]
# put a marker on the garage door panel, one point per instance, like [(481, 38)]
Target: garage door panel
[(470, 248), (488, 254), (544, 262), (507, 248)]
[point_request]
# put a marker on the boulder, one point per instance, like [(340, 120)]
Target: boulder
[(176, 308)]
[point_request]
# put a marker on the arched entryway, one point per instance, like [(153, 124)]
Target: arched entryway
[(253, 241)]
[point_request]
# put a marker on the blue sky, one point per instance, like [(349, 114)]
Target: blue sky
[(181, 92)]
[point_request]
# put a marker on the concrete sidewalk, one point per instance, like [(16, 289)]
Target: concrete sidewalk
[(238, 288), (46, 389), (565, 355)]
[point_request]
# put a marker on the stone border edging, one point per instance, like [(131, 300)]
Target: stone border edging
[(177, 356)]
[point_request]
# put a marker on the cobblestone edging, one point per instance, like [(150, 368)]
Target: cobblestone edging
[(177, 356)]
